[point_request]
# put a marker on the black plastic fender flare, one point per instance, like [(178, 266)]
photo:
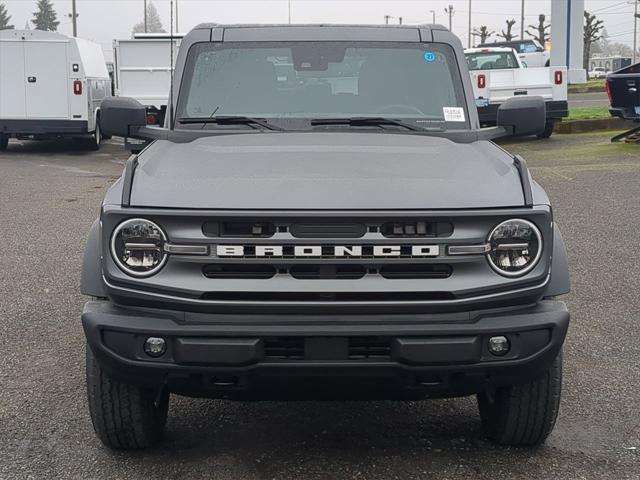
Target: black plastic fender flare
[(560, 281), (91, 278)]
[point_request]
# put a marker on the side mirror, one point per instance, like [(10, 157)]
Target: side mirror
[(121, 116), (523, 115)]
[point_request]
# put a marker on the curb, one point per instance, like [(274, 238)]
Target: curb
[(583, 126)]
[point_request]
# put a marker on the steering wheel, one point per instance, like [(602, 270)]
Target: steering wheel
[(399, 108)]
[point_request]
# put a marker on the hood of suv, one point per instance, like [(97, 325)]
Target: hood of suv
[(325, 171)]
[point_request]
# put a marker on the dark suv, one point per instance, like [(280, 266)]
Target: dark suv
[(322, 217)]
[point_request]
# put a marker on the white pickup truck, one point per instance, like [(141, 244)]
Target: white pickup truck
[(498, 74)]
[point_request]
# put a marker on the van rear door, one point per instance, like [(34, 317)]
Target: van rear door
[(12, 80), (47, 79)]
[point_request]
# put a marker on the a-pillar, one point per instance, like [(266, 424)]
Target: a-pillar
[(567, 37)]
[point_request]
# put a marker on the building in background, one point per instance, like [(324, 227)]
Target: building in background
[(610, 64)]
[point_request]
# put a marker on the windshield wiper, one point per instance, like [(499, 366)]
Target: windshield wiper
[(365, 122), (232, 120)]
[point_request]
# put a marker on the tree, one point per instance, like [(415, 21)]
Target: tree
[(45, 18), (540, 31), (482, 32), (154, 24), (508, 35), (592, 29), (4, 18)]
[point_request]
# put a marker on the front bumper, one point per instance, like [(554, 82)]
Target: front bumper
[(325, 356)]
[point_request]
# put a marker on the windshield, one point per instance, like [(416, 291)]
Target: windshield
[(283, 82), (491, 60)]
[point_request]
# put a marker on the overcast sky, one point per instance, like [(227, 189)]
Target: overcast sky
[(105, 20)]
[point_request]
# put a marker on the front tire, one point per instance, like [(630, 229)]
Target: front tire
[(124, 416), (548, 128), (523, 415)]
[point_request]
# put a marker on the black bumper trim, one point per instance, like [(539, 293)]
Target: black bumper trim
[(555, 110), (43, 127), (229, 360)]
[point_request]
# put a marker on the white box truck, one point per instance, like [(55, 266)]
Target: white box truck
[(143, 70), (51, 85)]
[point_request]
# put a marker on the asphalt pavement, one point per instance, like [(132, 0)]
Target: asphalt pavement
[(50, 194)]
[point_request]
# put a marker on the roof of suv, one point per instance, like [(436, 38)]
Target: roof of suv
[(321, 32)]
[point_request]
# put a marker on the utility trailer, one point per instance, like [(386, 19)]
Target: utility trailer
[(51, 85)]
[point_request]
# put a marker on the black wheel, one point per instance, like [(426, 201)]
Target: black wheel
[(4, 143), (124, 416), (523, 415), (548, 128), (96, 138)]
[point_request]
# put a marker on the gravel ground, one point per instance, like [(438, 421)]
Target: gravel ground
[(52, 192)]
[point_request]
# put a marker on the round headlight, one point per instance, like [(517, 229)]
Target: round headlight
[(137, 247), (516, 246)]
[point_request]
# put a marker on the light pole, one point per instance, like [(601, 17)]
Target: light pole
[(289, 12), (522, 20), (433, 12), (177, 28), (74, 18), (450, 12), (636, 15), (145, 16), (469, 39)]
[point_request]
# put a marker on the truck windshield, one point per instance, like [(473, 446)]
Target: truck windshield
[(281, 82), (491, 60)]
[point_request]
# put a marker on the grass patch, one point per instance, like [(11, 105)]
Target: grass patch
[(588, 113), (595, 85)]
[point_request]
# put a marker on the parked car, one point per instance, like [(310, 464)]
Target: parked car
[(598, 72), (497, 74), (623, 89), (530, 52), (143, 72), (51, 85), (354, 234)]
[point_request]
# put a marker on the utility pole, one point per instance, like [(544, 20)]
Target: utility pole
[(433, 12), (636, 15), (177, 28), (469, 39), (145, 16), (450, 12), (74, 18), (522, 20), (289, 12)]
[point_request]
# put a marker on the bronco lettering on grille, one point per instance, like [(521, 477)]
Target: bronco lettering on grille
[(318, 251)]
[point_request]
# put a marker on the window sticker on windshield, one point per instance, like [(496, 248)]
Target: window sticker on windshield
[(430, 57), (453, 114)]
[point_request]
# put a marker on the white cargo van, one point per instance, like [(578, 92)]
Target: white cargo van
[(50, 85)]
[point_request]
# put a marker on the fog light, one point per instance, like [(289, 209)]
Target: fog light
[(499, 346), (155, 346)]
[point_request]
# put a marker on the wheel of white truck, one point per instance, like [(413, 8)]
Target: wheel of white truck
[(96, 139), (124, 416), (525, 414)]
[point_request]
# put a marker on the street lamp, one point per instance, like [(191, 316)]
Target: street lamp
[(433, 12)]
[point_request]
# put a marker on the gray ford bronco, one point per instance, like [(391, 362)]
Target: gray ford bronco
[(322, 217)]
